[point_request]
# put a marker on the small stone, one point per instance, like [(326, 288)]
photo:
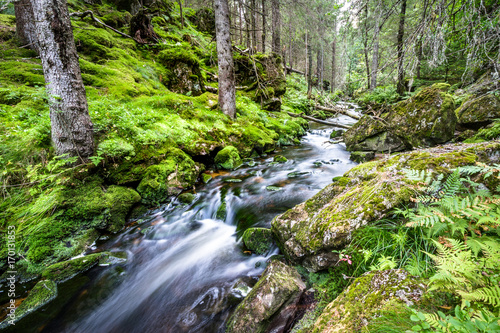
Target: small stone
[(296, 174), (317, 164), (206, 178), (362, 156), (258, 240), (336, 134), (232, 180), (274, 188), (280, 159), (186, 198)]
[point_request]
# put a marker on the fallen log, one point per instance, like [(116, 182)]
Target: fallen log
[(337, 110), (318, 120), (291, 70), (211, 89), (89, 12)]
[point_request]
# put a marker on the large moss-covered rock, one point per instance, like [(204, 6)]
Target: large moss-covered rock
[(366, 297), (175, 172), (65, 270), (228, 158), (426, 119), (183, 71), (480, 111), (309, 232), (270, 304), (258, 240), (42, 293)]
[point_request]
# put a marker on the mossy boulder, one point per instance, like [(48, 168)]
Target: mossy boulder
[(425, 120), (258, 240), (271, 304), (175, 172), (228, 158), (186, 198), (362, 156), (183, 71), (65, 270), (42, 293), (478, 112), (309, 232), (366, 298), (280, 159)]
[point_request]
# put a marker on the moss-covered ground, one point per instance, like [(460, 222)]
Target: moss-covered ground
[(154, 134)]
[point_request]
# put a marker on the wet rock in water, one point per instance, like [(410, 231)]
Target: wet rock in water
[(205, 178), (168, 178), (221, 211), (280, 159), (232, 180), (317, 164), (186, 198), (239, 291), (271, 304), (65, 270), (113, 258), (367, 297), (41, 294), (249, 161), (228, 158), (309, 232), (332, 161), (258, 240), (425, 120), (336, 134), (478, 112), (362, 156), (147, 231), (296, 174), (274, 188)]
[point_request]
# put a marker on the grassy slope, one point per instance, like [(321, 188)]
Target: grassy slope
[(138, 121)]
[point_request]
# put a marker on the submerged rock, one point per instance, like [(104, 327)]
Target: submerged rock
[(186, 198), (228, 158), (258, 240), (425, 120), (366, 297), (280, 159), (309, 232), (478, 112), (271, 304)]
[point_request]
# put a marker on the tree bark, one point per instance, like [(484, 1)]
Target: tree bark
[(419, 43), (253, 24), (227, 90), (319, 71), (72, 129), (365, 44), (376, 33), (276, 26), (182, 15), (264, 23), (334, 63), (401, 88), (309, 72), (25, 24), (336, 110)]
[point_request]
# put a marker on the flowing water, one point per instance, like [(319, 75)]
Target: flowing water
[(186, 269)]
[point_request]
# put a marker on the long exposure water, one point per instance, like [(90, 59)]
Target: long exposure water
[(186, 269)]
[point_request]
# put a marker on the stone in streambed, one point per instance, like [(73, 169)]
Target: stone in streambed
[(274, 188), (186, 198), (205, 178), (336, 134), (258, 240), (228, 158), (296, 174), (271, 304), (280, 159)]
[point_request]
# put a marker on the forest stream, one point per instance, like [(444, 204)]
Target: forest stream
[(186, 269)]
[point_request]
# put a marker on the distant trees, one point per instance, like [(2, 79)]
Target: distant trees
[(227, 86), (25, 24), (72, 130)]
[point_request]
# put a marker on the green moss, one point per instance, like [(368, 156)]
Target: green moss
[(162, 180), (42, 293), (361, 156), (228, 158), (186, 198), (206, 178), (258, 240), (65, 270), (280, 159)]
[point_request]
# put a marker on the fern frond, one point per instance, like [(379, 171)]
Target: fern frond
[(488, 295)]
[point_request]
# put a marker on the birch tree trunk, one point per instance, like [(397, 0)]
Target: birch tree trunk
[(72, 130), (276, 26), (227, 89), (401, 75), (25, 24)]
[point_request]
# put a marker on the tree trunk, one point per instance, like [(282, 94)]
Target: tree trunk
[(264, 26), (334, 63), (319, 74), (276, 26), (182, 16), (401, 88), (72, 130), (253, 24), (240, 14), (227, 90), (419, 43), (365, 44), (376, 33), (306, 71), (25, 24), (290, 49), (309, 72)]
